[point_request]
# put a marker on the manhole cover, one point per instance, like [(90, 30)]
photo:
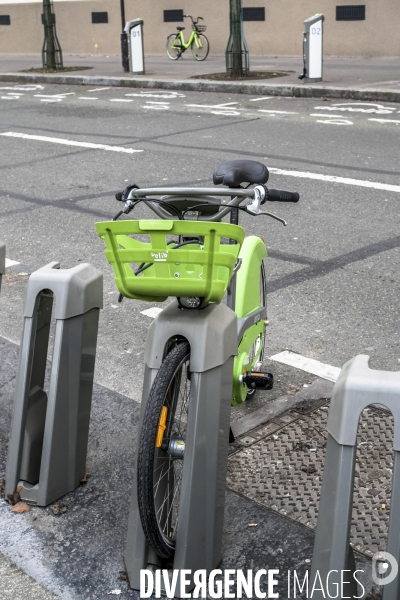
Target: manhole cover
[(284, 473)]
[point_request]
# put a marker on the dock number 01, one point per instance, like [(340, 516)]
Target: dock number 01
[(316, 30), (136, 33)]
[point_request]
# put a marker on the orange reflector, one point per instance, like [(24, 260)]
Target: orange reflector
[(162, 426)]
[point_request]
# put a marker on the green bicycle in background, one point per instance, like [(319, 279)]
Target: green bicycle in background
[(198, 43)]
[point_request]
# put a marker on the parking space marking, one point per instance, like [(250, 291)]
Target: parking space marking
[(310, 365), (334, 179), (41, 138), (11, 263)]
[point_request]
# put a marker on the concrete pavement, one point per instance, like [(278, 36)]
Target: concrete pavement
[(375, 79)]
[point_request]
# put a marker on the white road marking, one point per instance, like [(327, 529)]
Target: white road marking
[(65, 142), (99, 89), (155, 102), (50, 100), (357, 107), (278, 112), (212, 105), (156, 107), (24, 88), (384, 120), (259, 99), (315, 367), (339, 122), (120, 100), (334, 179), (152, 312), (54, 95), (87, 98), (167, 95), (11, 263), (9, 98)]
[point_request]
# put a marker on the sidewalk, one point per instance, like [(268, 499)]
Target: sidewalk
[(375, 79)]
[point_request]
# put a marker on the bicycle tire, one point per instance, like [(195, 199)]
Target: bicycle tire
[(159, 471), (261, 338), (173, 53), (202, 52)]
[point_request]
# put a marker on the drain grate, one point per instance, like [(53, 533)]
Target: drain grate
[(283, 471)]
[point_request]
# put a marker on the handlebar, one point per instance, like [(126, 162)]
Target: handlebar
[(282, 196), (259, 194), (193, 21)]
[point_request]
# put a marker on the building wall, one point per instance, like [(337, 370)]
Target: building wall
[(280, 34)]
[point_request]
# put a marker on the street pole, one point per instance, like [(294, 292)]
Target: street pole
[(51, 50), (237, 48), (124, 39)]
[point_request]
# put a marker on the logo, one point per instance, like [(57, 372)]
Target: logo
[(159, 256), (384, 568)]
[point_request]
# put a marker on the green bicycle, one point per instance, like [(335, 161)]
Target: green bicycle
[(191, 255), (198, 43)]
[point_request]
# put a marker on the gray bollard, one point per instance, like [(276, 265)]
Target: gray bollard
[(357, 387), (49, 434), (212, 335), (2, 260)]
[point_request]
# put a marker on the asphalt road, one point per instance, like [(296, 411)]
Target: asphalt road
[(333, 290)]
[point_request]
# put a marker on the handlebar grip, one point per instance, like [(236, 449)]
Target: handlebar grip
[(282, 196)]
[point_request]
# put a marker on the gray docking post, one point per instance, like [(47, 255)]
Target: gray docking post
[(2, 260), (212, 335), (357, 387), (49, 434)]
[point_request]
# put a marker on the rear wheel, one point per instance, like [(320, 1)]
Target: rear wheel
[(200, 47), (161, 451), (256, 352), (174, 47)]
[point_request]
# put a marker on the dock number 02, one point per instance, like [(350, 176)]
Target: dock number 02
[(316, 30)]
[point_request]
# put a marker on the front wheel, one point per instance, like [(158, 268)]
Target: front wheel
[(174, 47), (200, 47), (161, 451)]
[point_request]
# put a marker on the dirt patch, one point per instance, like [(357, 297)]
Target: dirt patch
[(63, 70), (252, 75)]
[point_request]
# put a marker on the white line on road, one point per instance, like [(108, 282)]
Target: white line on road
[(278, 112), (315, 367), (99, 89), (332, 178), (120, 100), (41, 138), (11, 263), (258, 99), (87, 98), (151, 312), (384, 120)]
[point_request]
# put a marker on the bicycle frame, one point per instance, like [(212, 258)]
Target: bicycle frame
[(184, 45)]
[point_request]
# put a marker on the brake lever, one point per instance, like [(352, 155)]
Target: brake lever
[(268, 214)]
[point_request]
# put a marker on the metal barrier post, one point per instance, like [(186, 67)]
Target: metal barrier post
[(48, 444), (212, 335), (357, 387), (2, 260)]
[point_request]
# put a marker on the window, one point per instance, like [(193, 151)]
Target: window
[(350, 13), (5, 20), (171, 16), (254, 14), (99, 17)]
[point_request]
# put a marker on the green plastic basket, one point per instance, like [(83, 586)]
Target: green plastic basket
[(191, 270)]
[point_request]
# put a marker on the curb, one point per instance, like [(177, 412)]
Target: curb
[(295, 91)]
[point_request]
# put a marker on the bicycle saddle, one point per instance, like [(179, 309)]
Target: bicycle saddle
[(180, 28), (235, 172)]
